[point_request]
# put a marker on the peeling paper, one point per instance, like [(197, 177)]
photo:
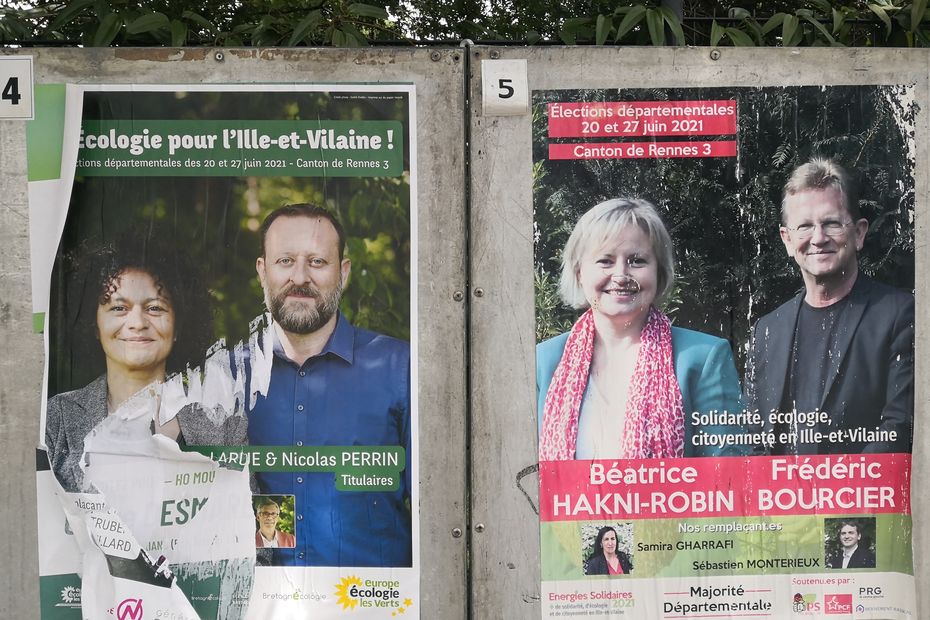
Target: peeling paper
[(155, 501)]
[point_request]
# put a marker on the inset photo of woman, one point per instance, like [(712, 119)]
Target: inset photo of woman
[(607, 549)]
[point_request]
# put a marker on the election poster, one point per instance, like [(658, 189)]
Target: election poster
[(724, 289), (225, 279)]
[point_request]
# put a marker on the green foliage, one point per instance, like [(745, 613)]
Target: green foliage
[(99, 23), (340, 23)]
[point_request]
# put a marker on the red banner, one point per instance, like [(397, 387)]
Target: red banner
[(642, 118), (643, 150), (724, 487)]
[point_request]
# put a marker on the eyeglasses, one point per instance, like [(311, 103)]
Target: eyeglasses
[(830, 228), (262, 513)]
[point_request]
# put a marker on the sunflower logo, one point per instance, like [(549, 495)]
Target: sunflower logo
[(70, 594), (342, 592)]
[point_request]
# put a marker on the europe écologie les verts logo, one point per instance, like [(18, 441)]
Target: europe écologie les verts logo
[(354, 593)]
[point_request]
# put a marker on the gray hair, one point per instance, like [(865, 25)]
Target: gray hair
[(603, 222), (822, 173)]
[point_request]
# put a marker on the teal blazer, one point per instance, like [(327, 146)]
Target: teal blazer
[(706, 375)]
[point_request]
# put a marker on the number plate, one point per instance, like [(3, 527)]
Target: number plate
[(16, 100), (504, 91)]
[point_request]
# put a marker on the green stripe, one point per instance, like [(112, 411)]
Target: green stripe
[(44, 134)]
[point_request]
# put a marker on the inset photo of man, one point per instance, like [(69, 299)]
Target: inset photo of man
[(849, 543), (275, 517)]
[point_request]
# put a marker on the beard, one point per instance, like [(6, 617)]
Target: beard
[(298, 318)]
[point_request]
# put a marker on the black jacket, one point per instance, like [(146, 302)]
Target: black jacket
[(870, 384), (597, 564)]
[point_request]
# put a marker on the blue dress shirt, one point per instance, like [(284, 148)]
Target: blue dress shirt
[(355, 392)]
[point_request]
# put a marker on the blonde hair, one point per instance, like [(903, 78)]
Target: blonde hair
[(603, 222), (821, 173)]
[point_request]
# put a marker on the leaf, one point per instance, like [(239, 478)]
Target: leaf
[(73, 8), (367, 10), (918, 8), (788, 28), (148, 23), (674, 24), (354, 37), (838, 18), (200, 20), (110, 26), (308, 23), (716, 33), (882, 15), (656, 27), (339, 38), (774, 22), (822, 5), (630, 20), (532, 37), (738, 12), (604, 26), (739, 37), (570, 29), (820, 27), (178, 33)]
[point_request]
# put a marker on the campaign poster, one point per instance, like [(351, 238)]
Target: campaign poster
[(230, 421), (724, 286)]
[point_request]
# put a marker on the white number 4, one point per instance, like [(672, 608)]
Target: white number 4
[(11, 91), (16, 89)]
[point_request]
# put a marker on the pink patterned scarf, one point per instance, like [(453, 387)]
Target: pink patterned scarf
[(655, 417)]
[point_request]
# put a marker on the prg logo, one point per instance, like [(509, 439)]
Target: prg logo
[(805, 603), (837, 604), (129, 609)]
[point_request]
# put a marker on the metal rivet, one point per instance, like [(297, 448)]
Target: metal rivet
[(479, 527), (219, 56), (715, 54), (456, 532), (495, 54), (458, 295), (479, 292), (434, 56)]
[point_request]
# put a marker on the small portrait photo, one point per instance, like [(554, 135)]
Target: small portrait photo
[(606, 548), (849, 542), (274, 518)]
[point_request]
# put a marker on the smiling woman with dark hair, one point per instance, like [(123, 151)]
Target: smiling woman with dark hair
[(151, 318), (607, 559)]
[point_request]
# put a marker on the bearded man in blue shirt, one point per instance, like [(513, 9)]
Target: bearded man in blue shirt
[(331, 384)]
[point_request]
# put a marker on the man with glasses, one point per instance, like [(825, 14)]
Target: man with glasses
[(268, 534), (831, 371)]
